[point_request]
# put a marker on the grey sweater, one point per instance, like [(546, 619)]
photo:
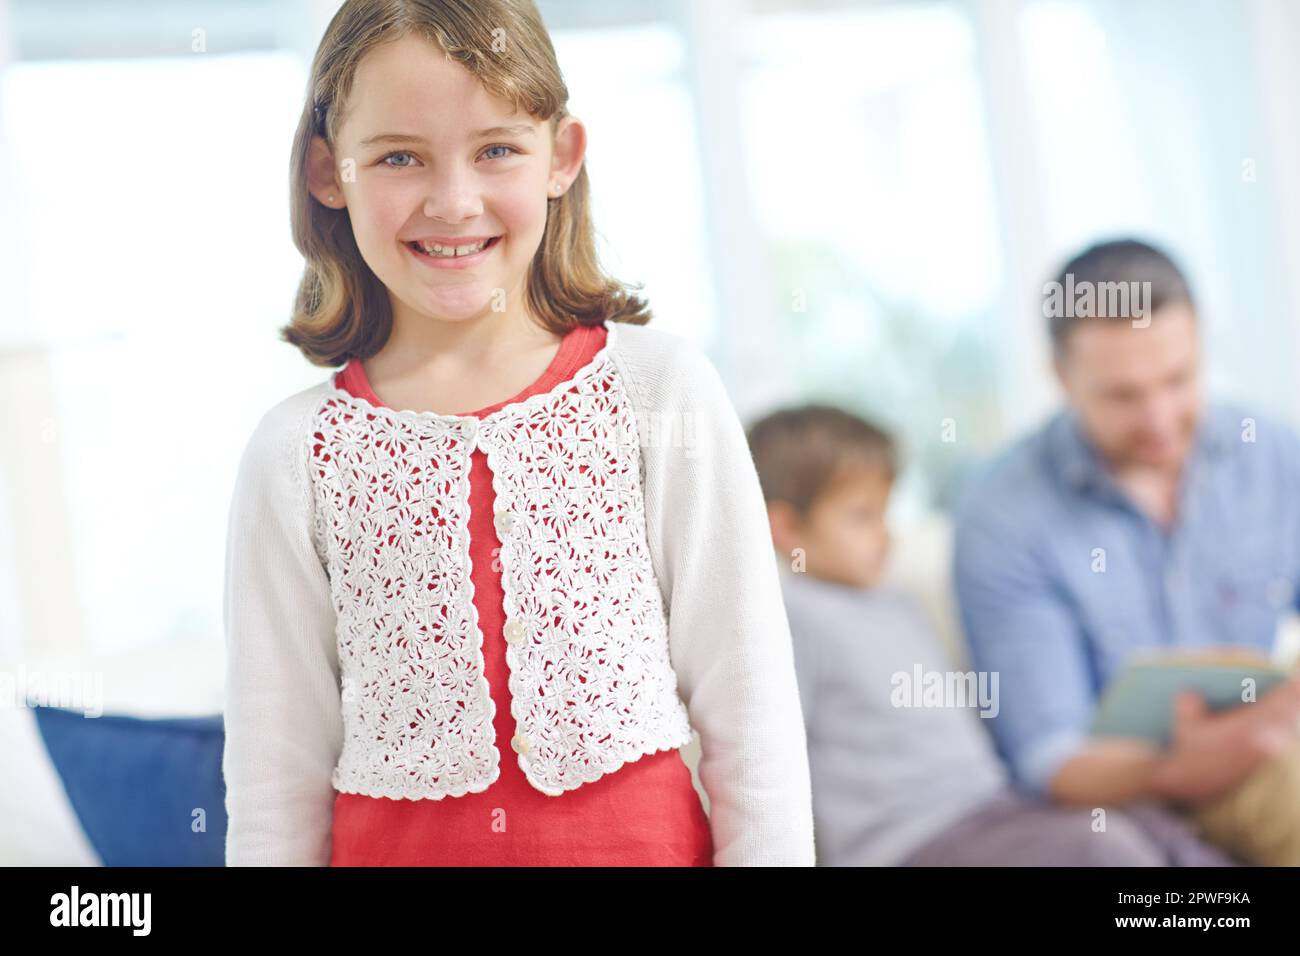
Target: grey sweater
[(887, 775)]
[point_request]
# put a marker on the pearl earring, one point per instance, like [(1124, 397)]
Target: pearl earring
[(331, 197)]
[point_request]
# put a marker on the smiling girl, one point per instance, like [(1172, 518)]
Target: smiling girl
[(516, 521)]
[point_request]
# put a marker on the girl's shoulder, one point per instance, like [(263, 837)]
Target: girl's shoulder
[(645, 343), (272, 481), (288, 424), (659, 364), (296, 410)]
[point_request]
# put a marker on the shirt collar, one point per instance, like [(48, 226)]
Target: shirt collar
[(1081, 467)]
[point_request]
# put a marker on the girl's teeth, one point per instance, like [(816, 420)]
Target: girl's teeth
[(450, 252)]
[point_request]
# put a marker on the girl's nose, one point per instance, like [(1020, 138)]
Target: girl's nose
[(454, 198)]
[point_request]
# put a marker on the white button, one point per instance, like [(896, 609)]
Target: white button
[(469, 428), (520, 743), (514, 632), (505, 521)]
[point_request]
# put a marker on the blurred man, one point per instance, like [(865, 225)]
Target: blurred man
[(1137, 517)]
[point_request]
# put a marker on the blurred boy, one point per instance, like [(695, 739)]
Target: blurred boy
[(898, 778)]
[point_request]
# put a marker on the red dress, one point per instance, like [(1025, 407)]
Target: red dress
[(646, 813)]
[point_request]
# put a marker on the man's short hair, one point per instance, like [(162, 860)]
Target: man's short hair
[(1107, 267), (801, 452)]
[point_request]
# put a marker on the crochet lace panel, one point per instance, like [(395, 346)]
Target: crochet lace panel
[(591, 682)]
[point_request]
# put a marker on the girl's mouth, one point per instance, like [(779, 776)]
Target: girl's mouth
[(448, 258)]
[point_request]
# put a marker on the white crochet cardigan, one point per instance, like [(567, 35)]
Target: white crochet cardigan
[(641, 598)]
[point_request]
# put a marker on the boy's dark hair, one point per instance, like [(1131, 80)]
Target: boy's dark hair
[(801, 452), (1105, 264)]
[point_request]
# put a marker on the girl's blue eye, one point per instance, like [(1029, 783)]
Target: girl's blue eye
[(389, 156)]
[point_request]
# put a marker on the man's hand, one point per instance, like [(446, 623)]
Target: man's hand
[(1212, 752)]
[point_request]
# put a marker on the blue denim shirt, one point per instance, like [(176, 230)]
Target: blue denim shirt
[(1060, 576)]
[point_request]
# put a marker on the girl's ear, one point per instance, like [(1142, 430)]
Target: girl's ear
[(568, 154), (322, 176)]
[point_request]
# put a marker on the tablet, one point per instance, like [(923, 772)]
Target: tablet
[(1140, 701)]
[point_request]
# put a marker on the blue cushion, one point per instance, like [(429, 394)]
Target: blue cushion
[(136, 783)]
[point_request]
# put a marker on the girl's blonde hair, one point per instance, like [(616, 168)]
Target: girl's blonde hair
[(342, 309)]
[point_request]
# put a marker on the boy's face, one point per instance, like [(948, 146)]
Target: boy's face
[(844, 537)]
